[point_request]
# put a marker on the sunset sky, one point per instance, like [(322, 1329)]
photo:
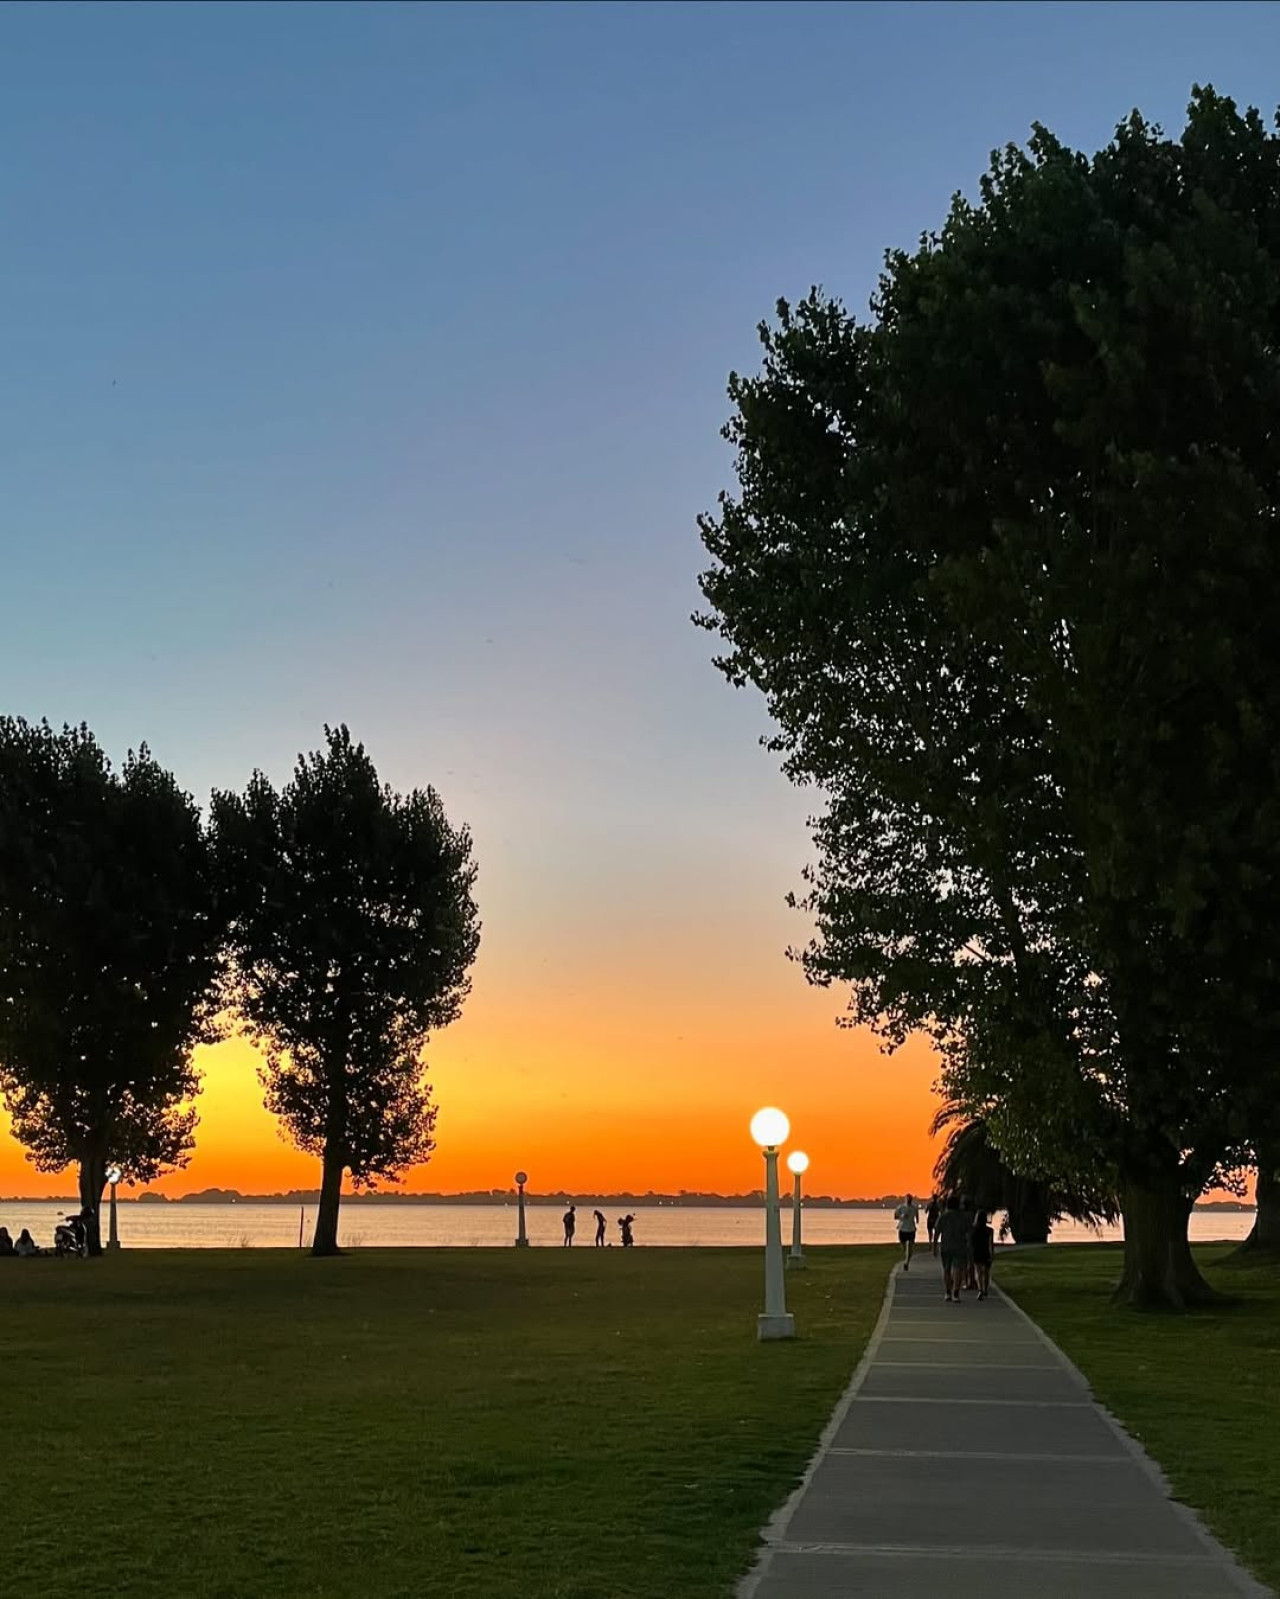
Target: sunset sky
[(366, 364)]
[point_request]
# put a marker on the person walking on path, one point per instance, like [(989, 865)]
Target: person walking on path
[(969, 1211), (570, 1224), (954, 1228), (931, 1222), (982, 1246), (599, 1216), (907, 1217)]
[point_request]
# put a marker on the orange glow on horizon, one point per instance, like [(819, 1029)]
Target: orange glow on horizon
[(601, 1097)]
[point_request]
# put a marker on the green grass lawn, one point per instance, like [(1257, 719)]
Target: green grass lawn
[(490, 1424), (1201, 1392)]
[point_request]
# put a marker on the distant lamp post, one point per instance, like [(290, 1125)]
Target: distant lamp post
[(114, 1174), (797, 1164), (522, 1237), (769, 1128)]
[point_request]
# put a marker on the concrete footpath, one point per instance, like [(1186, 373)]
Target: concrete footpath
[(969, 1460)]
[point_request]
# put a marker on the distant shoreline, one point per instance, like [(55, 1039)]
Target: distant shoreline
[(688, 1201)]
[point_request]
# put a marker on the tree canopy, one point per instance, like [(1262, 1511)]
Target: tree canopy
[(109, 956), (970, 1164), (353, 930), (1004, 563)]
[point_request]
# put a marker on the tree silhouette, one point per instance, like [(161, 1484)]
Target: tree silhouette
[(970, 1164), (1000, 562), (109, 956), (353, 929)]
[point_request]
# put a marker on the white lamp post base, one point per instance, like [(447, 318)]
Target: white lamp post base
[(770, 1327)]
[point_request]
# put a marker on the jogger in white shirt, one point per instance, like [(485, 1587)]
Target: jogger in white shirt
[(907, 1217)]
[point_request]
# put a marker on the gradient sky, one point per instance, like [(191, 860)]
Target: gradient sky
[(367, 363)]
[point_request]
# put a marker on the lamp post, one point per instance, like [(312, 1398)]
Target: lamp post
[(114, 1175), (797, 1163), (769, 1128), (522, 1238)]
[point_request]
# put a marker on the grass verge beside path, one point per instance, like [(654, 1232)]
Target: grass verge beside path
[(1200, 1392), (552, 1424)]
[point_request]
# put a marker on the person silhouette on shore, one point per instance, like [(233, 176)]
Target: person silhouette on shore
[(6, 1243), (570, 1224), (599, 1216), (625, 1224)]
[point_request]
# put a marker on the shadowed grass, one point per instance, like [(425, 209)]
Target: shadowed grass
[(475, 1423), (1201, 1392)]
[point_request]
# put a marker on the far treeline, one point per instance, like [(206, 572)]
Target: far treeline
[(1005, 562), (331, 920), (684, 1200)]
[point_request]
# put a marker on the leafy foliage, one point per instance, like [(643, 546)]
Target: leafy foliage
[(1004, 563), (971, 1164), (109, 955), (353, 929)]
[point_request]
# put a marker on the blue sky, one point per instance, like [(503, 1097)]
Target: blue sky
[(367, 363)]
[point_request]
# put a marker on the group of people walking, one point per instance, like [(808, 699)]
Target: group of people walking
[(960, 1234), (624, 1222)]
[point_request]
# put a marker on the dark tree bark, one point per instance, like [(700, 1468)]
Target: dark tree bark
[(1264, 1236), (325, 1241), (1029, 1213), (93, 1179), (333, 1168), (1160, 1272)]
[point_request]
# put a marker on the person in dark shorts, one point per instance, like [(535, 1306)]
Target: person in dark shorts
[(931, 1222), (953, 1245), (570, 1224), (982, 1247), (969, 1210), (599, 1216), (907, 1217)]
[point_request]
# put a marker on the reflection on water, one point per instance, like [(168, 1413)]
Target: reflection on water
[(179, 1226)]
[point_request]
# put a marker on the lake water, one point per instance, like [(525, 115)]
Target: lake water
[(180, 1226)]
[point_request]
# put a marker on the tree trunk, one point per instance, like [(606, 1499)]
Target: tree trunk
[(1159, 1270), (1029, 1213), (1264, 1236), (325, 1241), (93, 1179)]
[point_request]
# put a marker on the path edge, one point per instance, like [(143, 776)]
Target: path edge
[(774, 1530), (1248, 1584)]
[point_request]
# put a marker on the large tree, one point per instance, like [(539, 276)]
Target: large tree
[(970, 1164), (1004, 562), (353, 929), (109, 956)]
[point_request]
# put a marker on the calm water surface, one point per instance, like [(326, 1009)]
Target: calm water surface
[(178, 1226)]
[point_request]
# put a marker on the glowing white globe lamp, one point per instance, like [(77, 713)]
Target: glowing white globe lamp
[(769, 1128), (797, 1164)]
